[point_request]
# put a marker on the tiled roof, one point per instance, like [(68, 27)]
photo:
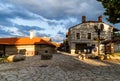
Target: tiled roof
[(56, 44), (24, 41), (91, 21), (46, 38), (114, 29)]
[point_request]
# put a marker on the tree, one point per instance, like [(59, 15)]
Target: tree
[(112, 10), (116, 34)]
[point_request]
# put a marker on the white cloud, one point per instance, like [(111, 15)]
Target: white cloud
[(52, 15), (5, 8), (21, 21), (60, 8), (58, 39), (52, 29), (12, 31), (42, 22)]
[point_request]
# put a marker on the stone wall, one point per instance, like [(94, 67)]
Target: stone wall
[(1, 48), (83, 30), (117, 47), (40, 49), (28, 50)]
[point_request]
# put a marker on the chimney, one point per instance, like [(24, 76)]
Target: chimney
[(100, 18), (83, 19), (31, 34)]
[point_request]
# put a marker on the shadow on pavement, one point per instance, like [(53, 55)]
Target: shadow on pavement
[(101, 68)]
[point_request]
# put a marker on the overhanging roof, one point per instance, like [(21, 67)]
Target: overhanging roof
[(24, 41)]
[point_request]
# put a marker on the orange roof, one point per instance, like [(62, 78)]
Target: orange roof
[(24, 41), (46, 38), (56, 44)]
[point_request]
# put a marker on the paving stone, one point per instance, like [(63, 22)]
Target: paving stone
[(117, 80), (11, 77), (3, 80), (61, 68)]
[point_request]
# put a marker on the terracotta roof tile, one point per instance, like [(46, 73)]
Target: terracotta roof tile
[(24, 41), (46, 38), (56, 44)]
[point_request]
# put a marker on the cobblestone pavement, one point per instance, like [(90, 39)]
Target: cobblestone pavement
[(62, 67)]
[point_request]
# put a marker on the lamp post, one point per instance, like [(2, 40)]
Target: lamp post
[(98, 29)]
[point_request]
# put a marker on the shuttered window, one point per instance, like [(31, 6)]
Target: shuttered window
[(89, 35), (78, 35)]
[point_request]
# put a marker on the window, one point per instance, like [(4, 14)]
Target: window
[(46, 51), (78, 35), (89, 35)]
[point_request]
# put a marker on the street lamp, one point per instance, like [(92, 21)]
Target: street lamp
[(98, 29)]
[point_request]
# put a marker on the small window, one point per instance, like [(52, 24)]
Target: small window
[(78, 35), (89, 35), (46, 51)]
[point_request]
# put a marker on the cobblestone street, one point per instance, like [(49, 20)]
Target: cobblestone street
[(63, 67)]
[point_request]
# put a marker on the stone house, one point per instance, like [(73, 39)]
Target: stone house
[(114, 43), (26, 46), (88, 36)]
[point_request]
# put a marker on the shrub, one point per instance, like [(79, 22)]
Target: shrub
[(3, 59)]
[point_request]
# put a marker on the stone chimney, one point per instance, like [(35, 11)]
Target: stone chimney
[(83, 19), (100, 18), (31, 34)]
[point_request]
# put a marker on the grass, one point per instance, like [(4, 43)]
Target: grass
[(3, 59), (117, 54)]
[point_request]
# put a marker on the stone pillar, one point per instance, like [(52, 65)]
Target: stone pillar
[(112, 48), (72, 48), (105, 45), (101, 49), (95, 50)]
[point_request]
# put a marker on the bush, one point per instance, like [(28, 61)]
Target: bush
[(3, 59), (46, 56)]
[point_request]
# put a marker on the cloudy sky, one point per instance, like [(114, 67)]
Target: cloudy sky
[(48, 18)]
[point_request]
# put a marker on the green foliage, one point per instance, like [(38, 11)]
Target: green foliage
[(116, 34), (117, 54), (112, 10), (3, 59)]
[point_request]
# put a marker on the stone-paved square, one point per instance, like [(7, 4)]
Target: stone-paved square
[(62, 67)]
